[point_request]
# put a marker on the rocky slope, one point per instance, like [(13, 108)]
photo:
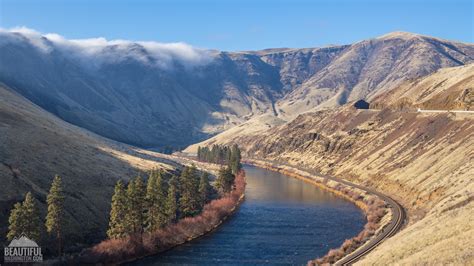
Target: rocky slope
[(154, 95), (424, 161), (36, 145)]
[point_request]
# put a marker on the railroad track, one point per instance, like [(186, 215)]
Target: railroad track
[(398, 218)]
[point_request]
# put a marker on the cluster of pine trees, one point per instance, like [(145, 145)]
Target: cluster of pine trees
[(221, 154), (164, 199), (25, 217), (138, 206)]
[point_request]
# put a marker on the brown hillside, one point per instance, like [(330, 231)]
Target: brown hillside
[(423, 160), (446, 89), (35, 145)]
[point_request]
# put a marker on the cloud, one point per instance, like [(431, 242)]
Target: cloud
[(101, 50), (31, 35)]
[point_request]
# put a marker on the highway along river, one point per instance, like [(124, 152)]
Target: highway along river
[(283, 220)]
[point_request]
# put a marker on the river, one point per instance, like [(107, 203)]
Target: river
[(283, 220)]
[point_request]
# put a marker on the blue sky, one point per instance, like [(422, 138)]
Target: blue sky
[(242, 25)]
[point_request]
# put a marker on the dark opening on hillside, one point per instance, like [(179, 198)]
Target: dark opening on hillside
[(361, 104)]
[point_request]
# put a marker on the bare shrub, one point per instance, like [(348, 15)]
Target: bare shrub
[(375, 211)]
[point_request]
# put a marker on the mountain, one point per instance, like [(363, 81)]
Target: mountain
[(36, 145), (364, 69), (156, 95), (423, 160)]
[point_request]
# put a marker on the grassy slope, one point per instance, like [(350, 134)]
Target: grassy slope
[(36, 145), (425, 161), (447, 89)]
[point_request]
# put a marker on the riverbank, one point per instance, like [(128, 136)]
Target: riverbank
[(116, 251), (377, 212)]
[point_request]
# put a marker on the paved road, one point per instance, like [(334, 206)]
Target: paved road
[(398, 218), (445, 111)]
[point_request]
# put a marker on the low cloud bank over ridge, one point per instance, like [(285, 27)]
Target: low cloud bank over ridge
[(101, 50)]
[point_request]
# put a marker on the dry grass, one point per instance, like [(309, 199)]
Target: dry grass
[(424, 161), (35, 145)]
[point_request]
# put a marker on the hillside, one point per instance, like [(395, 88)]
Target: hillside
[(424, 161), (156, 95), (446, 89), (36, 145)]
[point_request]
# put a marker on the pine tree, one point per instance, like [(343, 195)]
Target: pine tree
[(172, 202), (55, 216), (235, 159), (135, 206), (151, 194), (118, 212), (228, 155), (155, 197), (24, 219), (189, 200), (215, 153), (32, 219), (16, 221), (199, 153), (204, 188), (225, 180)]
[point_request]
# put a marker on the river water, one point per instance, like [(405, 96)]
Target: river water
[(283, 220)]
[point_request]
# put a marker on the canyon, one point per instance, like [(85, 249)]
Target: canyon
[(423, 160), (93, 113)]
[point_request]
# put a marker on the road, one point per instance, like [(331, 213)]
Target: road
[(398, 217), (445, 111)]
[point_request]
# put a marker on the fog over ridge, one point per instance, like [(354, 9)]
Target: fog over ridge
[(101, 50)]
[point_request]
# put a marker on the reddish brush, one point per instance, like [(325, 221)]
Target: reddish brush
[(375, 212), (137, 246)]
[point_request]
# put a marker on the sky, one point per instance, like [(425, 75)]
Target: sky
[(233, 25)]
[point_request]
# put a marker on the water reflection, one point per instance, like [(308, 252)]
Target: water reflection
[(282, 221), (276, 187)]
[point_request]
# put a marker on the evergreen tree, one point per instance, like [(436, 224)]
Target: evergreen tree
[(204, 188), (235, 158), (135, 206), (32, 220), (221, 155), (16, 221), (118, 212), (189, 199), (215, 154), (225, 180), (156, 198), (24, 219), (172, 201), (55, 216), (228, 154)]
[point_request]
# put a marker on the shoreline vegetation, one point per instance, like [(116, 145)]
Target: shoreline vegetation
[(113, 251), (375, 209), (188, 221)]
